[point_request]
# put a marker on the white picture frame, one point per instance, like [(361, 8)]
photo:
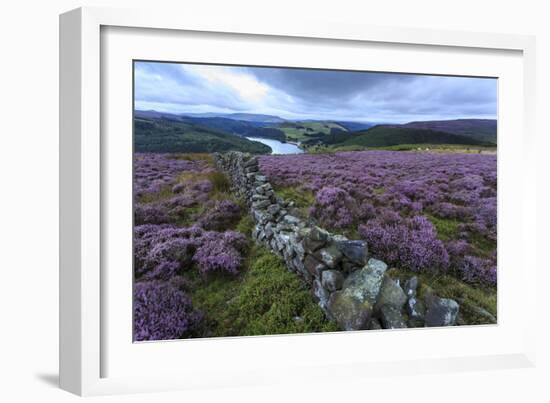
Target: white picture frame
[(83, 308)]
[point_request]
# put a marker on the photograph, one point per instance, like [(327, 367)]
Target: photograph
[(273, 200)]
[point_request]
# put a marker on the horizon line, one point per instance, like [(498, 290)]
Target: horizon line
[(222, 114)]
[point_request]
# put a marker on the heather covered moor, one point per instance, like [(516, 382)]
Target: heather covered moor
[(275, 201), (421, 211), (196, 271), (428, 213)]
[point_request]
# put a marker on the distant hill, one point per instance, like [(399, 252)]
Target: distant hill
[(245, 117), (152, 114), (238, 127), (384, 136), (163, 134), (334, 137), (355, 126), (251, 117), (329, 133), (479, 129), (225, 124)]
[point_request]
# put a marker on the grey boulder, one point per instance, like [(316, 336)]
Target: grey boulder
[(410, 287), (374, 324), (253, 161), (392, 318), (318, 234), (261, 204), (321, 295), (313, 266), (332, 280), (312, 245), (349, 312), (292, 220), (391, 294), (365, 284), (356, 251), (330, 256), (440, 311), (273, 209), (416, 308)]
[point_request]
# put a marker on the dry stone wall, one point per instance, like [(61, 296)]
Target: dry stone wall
[(351, 287)]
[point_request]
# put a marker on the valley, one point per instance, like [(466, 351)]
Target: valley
[(163, 132)]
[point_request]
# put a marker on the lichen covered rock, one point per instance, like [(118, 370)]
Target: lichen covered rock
[(391, 294), (349, 312), (355, 251), (365, 284), (392, 318), (329, 255), (332, 280), (440, 311)]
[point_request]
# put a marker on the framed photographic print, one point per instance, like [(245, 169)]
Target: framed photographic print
[(239, 207)]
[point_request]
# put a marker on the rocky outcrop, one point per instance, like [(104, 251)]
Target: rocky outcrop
[(352, 288)]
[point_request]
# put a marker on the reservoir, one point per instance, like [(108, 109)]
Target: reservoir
[(278, 147)]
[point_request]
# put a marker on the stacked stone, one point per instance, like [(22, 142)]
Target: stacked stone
[(234, 165), (352, 289)]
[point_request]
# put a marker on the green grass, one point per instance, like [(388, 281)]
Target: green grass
[(482, 246), (442, 148), (188, 216), (164, 194), (303, 199), (460, 148), (265, 299), (245, 225), (469, 297), (320, 149), (447, 229), (273, 300), (196, 157), (220, 182), (221, 185)]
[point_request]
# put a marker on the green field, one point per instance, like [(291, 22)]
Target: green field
[(305, 130), (445, 148)]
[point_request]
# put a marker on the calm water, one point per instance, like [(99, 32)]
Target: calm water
[(278, 147)]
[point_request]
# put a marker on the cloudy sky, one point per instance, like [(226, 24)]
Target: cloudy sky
[(311, 94)]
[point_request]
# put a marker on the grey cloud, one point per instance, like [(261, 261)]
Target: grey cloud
[(321, 94), (310, 83)]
